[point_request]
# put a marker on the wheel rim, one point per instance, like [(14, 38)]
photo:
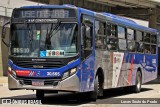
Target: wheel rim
[(98, 87), (139, 81)]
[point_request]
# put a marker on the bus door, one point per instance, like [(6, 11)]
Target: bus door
[(87, 56)]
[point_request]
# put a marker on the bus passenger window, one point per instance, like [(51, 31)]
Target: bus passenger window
[(153, 49), (153, 39), (131, 40), (131, 46), (122, 44), (111, 30), (100, 35), (98, 43), (88, 38), (139, 47), (147, 37), (139, 37), (112, 43), (121, 32), (147, 49), (139, 42)]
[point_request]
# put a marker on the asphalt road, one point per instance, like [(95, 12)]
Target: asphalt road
[(150, 90)]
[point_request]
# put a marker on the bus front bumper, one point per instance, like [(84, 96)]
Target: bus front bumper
[(69, 84)]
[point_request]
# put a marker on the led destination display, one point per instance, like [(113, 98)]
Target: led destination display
[(45, 13)]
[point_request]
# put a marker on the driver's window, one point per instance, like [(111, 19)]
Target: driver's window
[(87, 35)]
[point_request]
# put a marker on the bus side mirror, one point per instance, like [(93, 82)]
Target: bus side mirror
[(4, 33), (4, 30)]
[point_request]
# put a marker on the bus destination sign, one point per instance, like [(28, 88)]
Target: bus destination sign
[(45, 13)]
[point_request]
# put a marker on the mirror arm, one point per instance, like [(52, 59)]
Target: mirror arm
[(4, 29), (5, 43), (3, 33), (6, 23)]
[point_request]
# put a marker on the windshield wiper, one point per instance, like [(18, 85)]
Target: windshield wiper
[(49, 34), (30, 33), (53, 29)]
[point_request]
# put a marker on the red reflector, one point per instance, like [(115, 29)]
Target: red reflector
[(9, 72), (23, 72)]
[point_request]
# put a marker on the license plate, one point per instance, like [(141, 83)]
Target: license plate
[(38, 83)]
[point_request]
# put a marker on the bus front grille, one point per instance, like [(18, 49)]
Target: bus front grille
[(39, 65)]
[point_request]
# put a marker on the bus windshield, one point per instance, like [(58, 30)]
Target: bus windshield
[(44, 40)]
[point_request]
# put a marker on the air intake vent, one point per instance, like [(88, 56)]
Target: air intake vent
[(38, 64)]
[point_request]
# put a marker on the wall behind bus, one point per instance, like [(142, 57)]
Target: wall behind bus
[(159, 62), (4, 50)]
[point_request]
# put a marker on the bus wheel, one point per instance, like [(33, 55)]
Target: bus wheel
[(94, 94), (137, 86), (39, 94)]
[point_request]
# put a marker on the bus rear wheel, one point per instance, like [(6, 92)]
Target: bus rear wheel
[(138, 82), (39, 94)]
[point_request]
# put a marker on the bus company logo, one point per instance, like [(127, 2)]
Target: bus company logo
[(38, 73), (32, 73)]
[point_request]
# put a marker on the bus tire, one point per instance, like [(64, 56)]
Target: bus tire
[(138, 82), (40, 94), (94, 94)]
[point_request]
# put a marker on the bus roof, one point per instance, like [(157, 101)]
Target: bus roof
[(49, 6), (107, 16)]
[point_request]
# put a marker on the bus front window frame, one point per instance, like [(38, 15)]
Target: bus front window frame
[(76, 44)]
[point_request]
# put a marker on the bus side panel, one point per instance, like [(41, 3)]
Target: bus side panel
[(104, 60), (124, 69), (150, 67), (129, 67), (146, 63), (87, 72), (126, 65), (133, 61)]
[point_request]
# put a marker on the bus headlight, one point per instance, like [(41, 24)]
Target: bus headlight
[(69, 73), (11, 71)]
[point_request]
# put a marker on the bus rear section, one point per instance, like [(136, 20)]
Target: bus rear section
[(126, 53)]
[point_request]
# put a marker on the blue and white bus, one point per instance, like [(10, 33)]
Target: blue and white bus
[(67, 48)]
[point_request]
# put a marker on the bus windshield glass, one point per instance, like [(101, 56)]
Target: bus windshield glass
[(44, 40)]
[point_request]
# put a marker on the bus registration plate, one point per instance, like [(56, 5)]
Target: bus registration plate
[(38, 83)]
